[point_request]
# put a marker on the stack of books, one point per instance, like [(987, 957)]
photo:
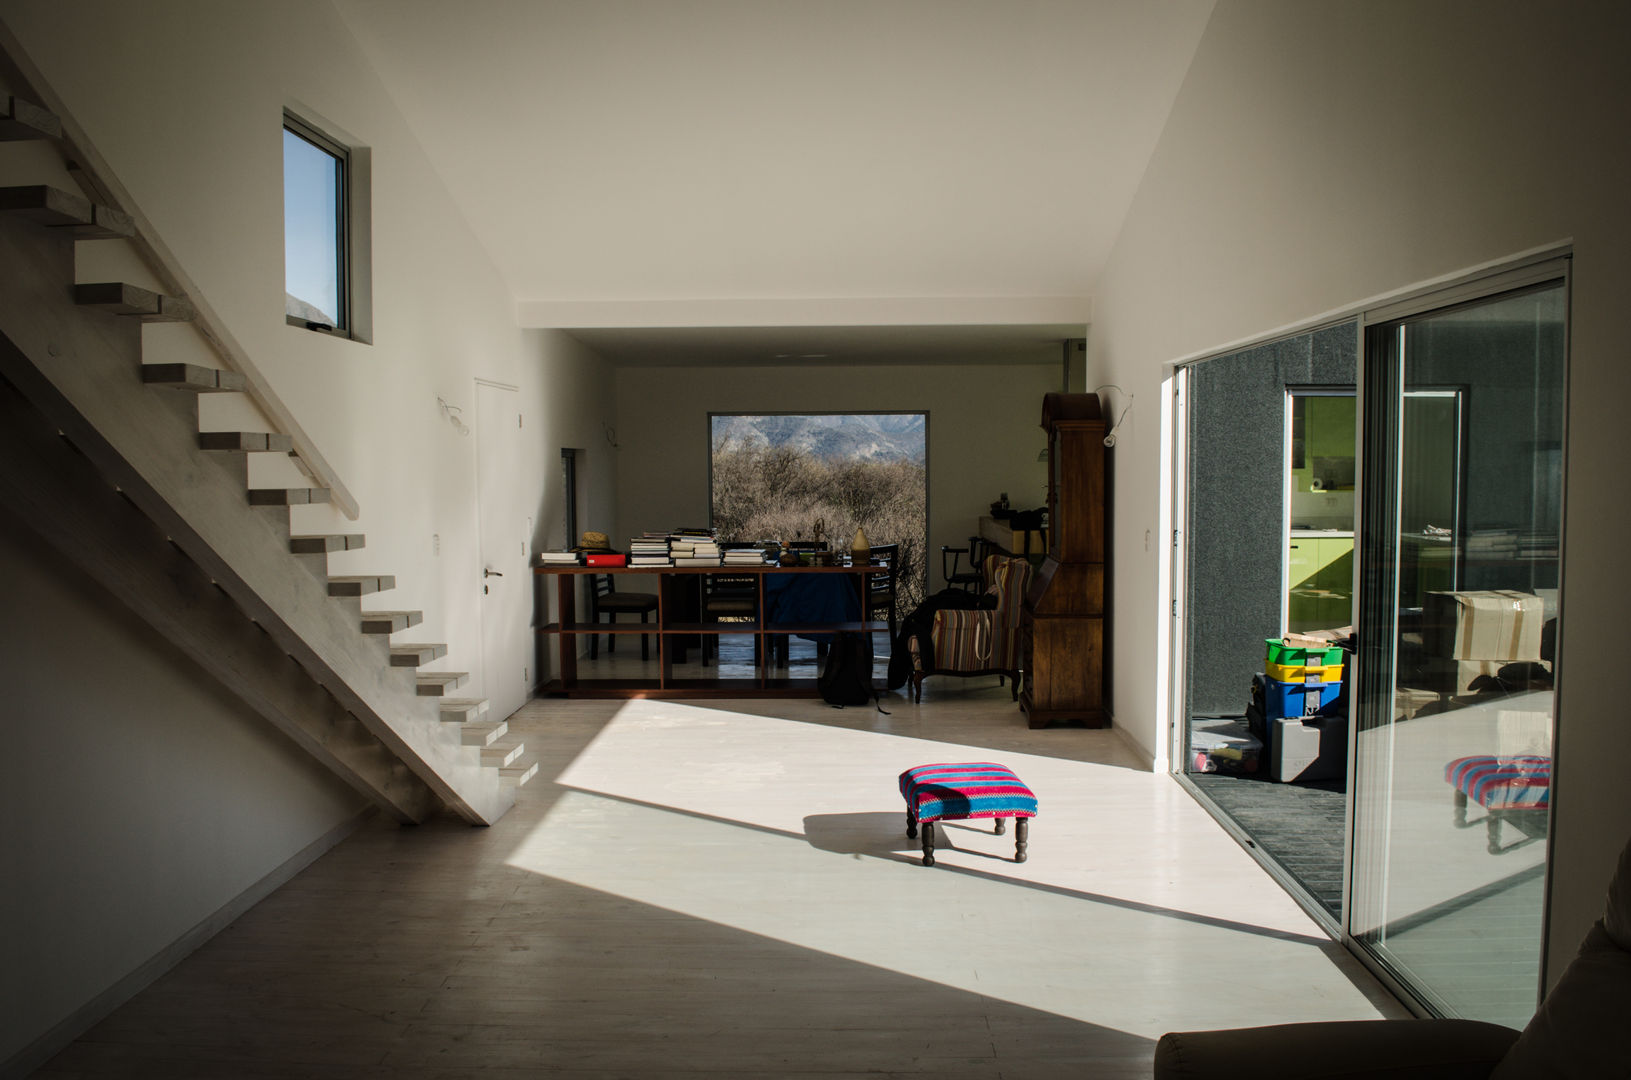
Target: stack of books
[(691, 550), (649, 550), (745, 557), (1492, 544), (1537, 545), (558, 558)]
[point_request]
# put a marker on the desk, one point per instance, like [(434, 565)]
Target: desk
[(800, 601), (1020, 543)]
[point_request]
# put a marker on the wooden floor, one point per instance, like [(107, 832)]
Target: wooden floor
[(727, 891)]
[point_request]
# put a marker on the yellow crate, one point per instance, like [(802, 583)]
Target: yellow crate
[(1304, 672)]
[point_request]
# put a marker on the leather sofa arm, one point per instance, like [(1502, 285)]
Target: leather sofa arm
[(1350, 1050)]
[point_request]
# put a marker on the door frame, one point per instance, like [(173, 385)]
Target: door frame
[(1467, 286), (488, 678)]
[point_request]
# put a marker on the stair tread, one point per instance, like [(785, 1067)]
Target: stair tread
[(287, 496), (500, 755), (59, 209), (194, 377), (463, 710), (483, 733), (438, 683), (415, 655), (389, 622), (320, 545), (519, 772), (23, 120), (120, 298), (246, 441), (360, 584)]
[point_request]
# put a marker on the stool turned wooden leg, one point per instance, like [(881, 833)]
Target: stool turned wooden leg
[(1460, 803), (1022, 830), (1002, 826), (911, 823), (1494, 841), (928, 843)]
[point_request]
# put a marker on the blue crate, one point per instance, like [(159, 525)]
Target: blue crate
[(1279, 700)]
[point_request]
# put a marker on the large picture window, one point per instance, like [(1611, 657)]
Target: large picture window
[(812, 477)]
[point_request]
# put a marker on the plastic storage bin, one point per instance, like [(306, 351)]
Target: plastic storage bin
[(1223, 745), (1311, 748), (1278, 652), (1282, 699), (1304, 672)]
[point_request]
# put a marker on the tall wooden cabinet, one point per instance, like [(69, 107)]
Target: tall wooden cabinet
[(1062, 625)]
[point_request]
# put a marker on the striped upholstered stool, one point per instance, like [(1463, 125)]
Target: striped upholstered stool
[(1502, 786), (977, 789)]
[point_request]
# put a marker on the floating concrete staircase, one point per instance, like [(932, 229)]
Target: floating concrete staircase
[(117, 298), (122, 481)]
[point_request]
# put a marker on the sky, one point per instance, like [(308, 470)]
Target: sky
[(310, 230)]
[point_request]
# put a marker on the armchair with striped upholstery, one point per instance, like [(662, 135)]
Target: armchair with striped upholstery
[(985, 641)]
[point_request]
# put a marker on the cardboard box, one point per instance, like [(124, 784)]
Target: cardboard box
[(1309, 748), (1523, 733), (1483, 625)]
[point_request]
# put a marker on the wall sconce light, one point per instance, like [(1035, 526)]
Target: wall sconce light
[(1110, 437), (452, 414)]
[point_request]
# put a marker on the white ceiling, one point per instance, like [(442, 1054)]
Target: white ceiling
[(808, 163)]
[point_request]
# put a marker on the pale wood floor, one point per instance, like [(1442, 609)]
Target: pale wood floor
[(726, 890)]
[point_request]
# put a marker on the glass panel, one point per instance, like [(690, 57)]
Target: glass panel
[(1269, 459), (1463, 509), (1319, 578), (313, 233)]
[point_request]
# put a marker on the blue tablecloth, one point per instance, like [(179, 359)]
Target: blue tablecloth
[(795, 599)]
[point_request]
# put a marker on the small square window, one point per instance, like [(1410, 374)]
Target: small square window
[(324, 218)]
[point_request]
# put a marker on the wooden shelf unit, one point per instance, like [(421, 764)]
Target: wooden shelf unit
[(669, 632), (1062, 623)]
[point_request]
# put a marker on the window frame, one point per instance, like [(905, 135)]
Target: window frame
[(353, 233)]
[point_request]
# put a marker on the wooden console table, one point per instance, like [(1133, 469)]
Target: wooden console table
[(671, 631)]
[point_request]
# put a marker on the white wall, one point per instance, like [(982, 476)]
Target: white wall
[(570, 393), (1320, 155), (984, 435), (185, 102), (150, 809), (137, 795)]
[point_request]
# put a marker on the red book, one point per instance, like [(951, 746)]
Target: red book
[(606, 560)]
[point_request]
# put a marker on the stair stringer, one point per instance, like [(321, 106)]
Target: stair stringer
[(83, 370), (60, 495)]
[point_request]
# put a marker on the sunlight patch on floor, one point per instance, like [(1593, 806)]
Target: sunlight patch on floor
[(1133, 909)]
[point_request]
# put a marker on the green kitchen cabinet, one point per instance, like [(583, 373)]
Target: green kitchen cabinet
[(1320, 576)]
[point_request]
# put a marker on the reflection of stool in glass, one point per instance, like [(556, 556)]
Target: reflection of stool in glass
[(1504, 787), (954, 792)]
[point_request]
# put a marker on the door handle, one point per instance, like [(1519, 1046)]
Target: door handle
[(487, 572)]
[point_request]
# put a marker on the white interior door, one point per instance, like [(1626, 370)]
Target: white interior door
[(506, 625)]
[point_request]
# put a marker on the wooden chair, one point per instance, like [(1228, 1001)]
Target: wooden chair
[(880, 588), (729, 597), (970, 580), (604, 599)]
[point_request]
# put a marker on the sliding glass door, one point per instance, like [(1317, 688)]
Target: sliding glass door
[(1460, 563)]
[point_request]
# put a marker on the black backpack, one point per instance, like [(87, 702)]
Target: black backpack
[(847, 679)]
